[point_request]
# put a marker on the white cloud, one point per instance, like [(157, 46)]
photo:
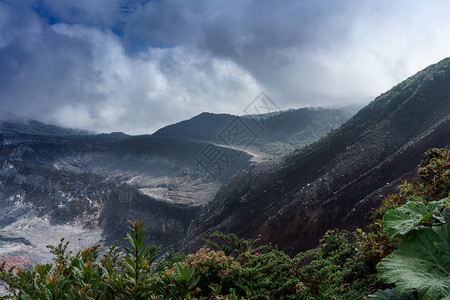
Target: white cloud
[(308, 53), (141, 94), (80, 76), (177, 58)]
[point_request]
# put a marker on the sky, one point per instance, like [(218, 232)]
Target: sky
[(138, 65)]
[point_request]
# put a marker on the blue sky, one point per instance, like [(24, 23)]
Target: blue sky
[(135, 66)]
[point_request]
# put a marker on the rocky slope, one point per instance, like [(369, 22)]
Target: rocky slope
[(57, 182), (334, 182), (86, 188)]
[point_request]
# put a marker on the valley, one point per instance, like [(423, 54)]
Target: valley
[(61, 183), (87, 188), (187, 180), (224, 150)]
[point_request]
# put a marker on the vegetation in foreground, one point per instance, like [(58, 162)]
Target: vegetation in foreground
[(405, 255)]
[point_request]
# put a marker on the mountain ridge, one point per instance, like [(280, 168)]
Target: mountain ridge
[(275, 133), (291, 202)]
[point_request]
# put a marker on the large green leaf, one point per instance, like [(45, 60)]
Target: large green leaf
[(422, 262), (413, 215)]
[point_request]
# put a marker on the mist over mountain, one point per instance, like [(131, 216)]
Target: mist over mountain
[(205, 174), (13, 125)]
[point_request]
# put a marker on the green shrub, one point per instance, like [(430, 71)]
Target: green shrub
[(421, 264), (132, 275), (407, 247)]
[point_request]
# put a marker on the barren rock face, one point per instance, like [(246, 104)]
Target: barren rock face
[(86, 189), (92, 185)]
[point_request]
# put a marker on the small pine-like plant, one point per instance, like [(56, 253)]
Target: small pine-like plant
[(130, 275)]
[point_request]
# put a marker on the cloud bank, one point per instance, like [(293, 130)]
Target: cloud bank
[(135, 66)]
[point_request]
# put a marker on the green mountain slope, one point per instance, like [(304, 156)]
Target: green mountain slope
[(274, 134)]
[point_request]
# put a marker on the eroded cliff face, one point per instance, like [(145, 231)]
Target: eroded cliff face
[(86, 189), (334, 182)]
